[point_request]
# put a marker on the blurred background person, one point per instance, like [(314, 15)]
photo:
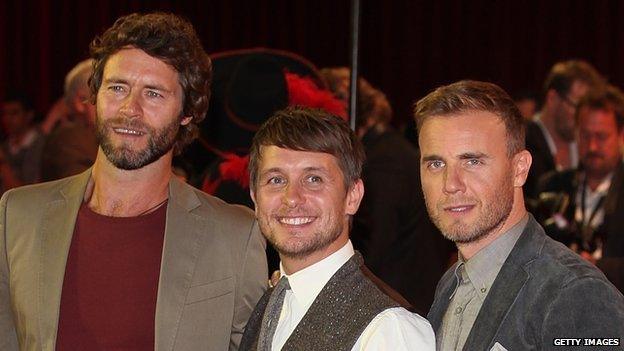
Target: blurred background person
[(583, 207), (20, 153), (71, 147), (550, 135)]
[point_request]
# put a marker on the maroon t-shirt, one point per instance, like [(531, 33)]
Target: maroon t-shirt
[(109, 293)]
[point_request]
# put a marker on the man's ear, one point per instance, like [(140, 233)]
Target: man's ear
[(521, 164), (354, 197), (186, 120)]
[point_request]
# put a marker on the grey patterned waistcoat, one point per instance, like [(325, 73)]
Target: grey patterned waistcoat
[(336, 318)]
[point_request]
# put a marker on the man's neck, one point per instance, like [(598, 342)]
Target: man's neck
[(120, 193), (294, 264)]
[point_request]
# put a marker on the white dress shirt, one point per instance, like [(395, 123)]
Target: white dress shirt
[(393, 329)]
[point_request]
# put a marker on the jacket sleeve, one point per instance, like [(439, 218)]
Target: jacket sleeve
[(586, 307), (8, 337), (252, 283)]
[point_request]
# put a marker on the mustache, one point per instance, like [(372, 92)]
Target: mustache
[(123, 122), (126, 122)]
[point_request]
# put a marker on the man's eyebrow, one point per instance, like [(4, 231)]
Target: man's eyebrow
[(270, 170), (115, 80), (157, 87), (431, 158), (315, 169), (151, 86), (470, 155)]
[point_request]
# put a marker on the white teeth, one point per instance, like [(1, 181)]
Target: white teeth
[(127, 131), (296, 220), (458, 209)]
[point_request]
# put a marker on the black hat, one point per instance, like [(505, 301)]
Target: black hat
[(248, 87)]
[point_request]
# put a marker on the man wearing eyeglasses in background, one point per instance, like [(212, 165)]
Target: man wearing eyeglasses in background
[(550, 136)]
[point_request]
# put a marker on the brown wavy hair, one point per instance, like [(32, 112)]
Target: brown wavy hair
[(171, 39)]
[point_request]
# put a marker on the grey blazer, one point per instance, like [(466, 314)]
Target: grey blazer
[(213, 268), (543, 291)]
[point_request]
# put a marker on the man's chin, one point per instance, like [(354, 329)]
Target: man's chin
[(461, 233)]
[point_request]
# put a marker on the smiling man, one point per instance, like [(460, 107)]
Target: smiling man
[(124, 256), (305, 168), (512, 287)]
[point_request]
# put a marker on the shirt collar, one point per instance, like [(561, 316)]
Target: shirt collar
[(603, 187), (307, 283), (482, 268)]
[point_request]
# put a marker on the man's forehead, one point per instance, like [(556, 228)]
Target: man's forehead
[(462, 122), (278, 155), (597, 117), (474, 131)]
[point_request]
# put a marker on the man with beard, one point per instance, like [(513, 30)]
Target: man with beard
[(550, 135), (124, 255), (589, 219), (513, 287), (305, 167)]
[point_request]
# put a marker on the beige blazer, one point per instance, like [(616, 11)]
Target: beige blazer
[(213, 268)]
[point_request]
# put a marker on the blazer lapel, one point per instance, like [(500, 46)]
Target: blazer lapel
[(507, 285), (57, 229), (442, 300), (182, 234)]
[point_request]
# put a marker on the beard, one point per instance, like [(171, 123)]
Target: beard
[(294, 243), (159, 142), (492, 215)]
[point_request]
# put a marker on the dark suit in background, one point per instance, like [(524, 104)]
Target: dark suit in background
[(392, 229), (543, 291)]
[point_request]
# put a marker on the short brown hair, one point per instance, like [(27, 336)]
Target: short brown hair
[(610, 98), (563, 74), (171, 39), (470, 95), (308, 129)]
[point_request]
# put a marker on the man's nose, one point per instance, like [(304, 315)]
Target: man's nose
[(453, 180), (131, 106), (293, 195)]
